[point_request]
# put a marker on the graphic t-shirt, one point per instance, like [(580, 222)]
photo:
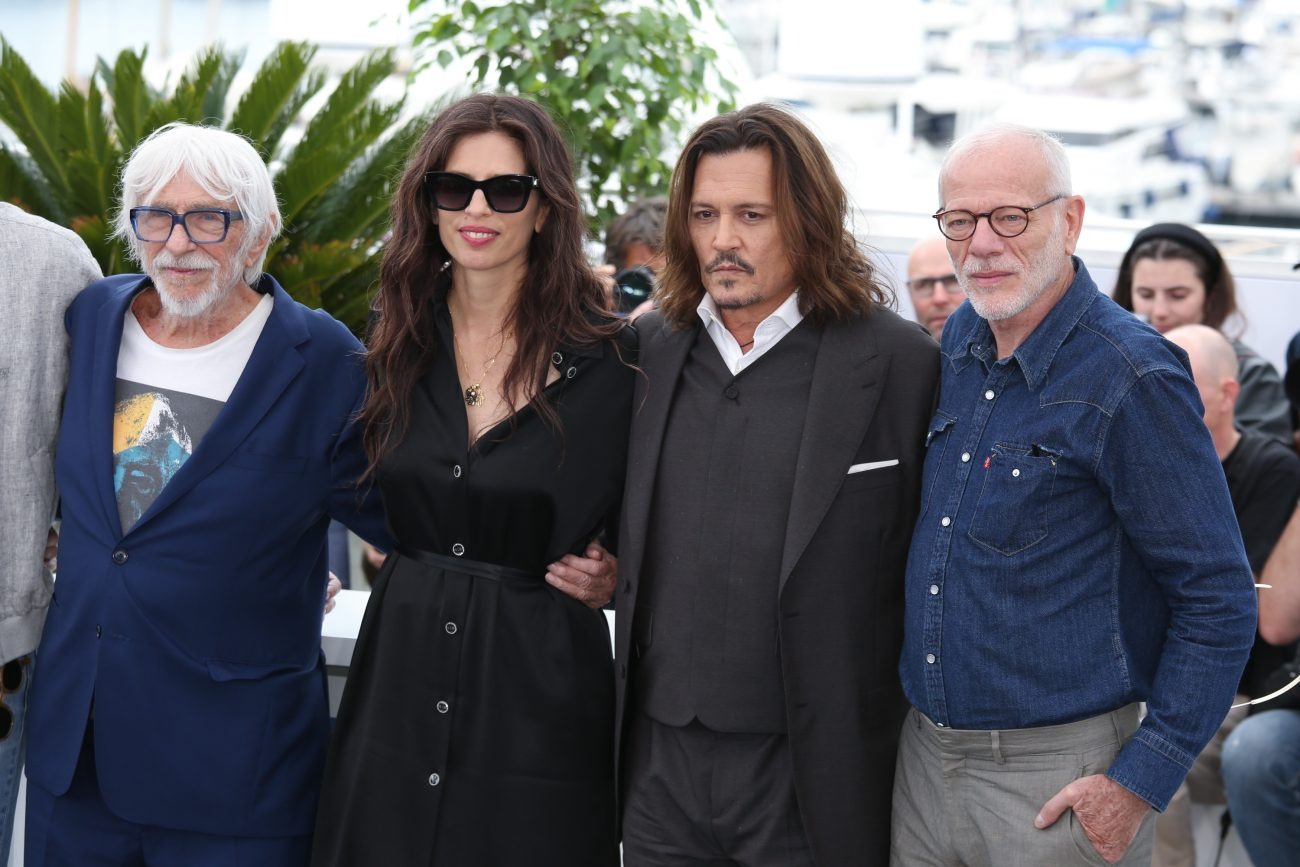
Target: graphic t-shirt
[(167, 399)]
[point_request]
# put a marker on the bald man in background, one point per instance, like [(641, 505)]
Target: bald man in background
[(1264, 483), (932, 284)]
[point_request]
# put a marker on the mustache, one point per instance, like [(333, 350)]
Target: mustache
[(980, 266), (732, 259), (193, 260)]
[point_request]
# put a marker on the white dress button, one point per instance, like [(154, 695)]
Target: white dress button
[(934, 589), (929, 657), (458, 549), (434, 779), (965, 457), (946, 521), (443, 707), (988, 395), (455, 471), (450, 628)]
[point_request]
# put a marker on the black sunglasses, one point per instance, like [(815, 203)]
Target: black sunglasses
[(505, 194), (11, 680)]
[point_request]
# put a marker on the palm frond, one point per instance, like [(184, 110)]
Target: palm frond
[(130, 94), (319, 161), (356, 206), (31, 113), (273, 97), (23, 184), (351, 95), (91, 158), (200, 93)]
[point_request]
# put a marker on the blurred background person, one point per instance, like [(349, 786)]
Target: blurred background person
[(1173, 275), (1264, 483), (634, 253), (932, 284), (476, 726), (1261, 759)]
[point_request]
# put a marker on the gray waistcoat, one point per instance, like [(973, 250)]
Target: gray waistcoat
[(706, 623)]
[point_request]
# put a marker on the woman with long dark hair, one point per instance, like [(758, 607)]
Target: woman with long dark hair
[(476, 725)]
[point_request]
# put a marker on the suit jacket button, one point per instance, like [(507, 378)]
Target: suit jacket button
[(119, 556)]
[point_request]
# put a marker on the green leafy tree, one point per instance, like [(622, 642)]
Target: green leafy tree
[(334, 181), (622, 77)]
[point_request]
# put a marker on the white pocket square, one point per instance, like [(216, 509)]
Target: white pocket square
[(873, 465)]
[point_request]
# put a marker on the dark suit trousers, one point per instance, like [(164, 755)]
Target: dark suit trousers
[(77, 829), (700, 798)]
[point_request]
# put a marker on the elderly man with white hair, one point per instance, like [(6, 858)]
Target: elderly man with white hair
[(1075, 554), (207, 440)]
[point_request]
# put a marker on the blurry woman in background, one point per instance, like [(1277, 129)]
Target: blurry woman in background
[(476, 727), (1173, 275)]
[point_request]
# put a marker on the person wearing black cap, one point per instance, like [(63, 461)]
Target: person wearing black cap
[(1173, 275)]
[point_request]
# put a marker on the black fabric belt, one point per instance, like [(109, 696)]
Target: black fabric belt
[(476, 568)]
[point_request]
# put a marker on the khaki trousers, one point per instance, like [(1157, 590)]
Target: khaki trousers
[(969, 798)]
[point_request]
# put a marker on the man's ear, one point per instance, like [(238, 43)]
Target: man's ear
[(255, 251), (1073, 222), (1231, 388)]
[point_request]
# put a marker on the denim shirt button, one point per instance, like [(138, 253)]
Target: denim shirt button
[(965, 457), (946, 521), (934, 589), (929, 657), (1015, 474), (988, 395)]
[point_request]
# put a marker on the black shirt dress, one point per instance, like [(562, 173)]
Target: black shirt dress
[(476, 727)]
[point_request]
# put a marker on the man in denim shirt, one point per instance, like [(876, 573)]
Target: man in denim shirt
[(1076, 551)]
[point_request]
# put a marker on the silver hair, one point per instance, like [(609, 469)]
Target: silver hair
[(990, 136), (223, 163)]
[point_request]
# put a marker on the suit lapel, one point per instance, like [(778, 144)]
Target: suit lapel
[(848, 379), (103, 397), (274, 364), (663, 366)]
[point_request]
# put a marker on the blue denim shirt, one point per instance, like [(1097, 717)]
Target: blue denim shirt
[(1076, 549)]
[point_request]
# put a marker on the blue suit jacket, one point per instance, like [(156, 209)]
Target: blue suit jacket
[(195, 636)]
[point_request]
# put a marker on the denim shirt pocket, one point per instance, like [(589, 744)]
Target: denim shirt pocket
[(1011, 514), (936, 445)]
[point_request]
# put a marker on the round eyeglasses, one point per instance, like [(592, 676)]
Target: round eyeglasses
[(505, 194), (1007, 221), (202, 225)]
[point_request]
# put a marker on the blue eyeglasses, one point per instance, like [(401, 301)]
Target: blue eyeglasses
[(202, 225)]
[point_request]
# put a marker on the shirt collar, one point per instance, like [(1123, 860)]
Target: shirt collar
[(788, 312), (1036, 353)]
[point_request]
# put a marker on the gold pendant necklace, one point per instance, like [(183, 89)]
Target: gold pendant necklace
[(474, 392)]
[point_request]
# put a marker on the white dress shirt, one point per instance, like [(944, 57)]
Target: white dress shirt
[(769, 332)]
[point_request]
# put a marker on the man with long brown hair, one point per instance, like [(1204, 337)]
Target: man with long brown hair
[(774, 475)]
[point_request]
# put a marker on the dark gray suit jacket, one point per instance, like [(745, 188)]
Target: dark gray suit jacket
[(841, 597)]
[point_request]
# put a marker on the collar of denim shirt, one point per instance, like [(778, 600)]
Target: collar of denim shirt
[(1035, 355)]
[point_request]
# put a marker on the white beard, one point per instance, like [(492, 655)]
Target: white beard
[(191, 306), (995, 305)]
